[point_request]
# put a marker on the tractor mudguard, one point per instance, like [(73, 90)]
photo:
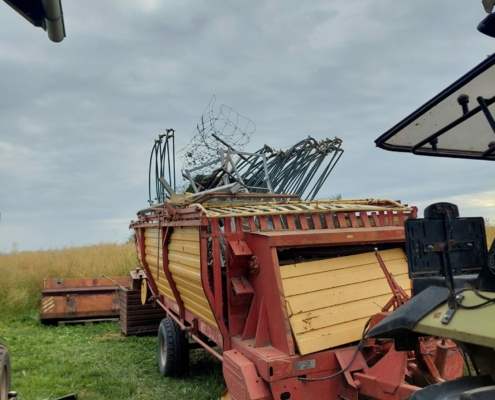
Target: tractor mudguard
[(399, 324), (467, 281), (452, 389)]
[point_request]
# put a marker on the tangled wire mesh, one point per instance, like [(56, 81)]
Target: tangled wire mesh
[(233, 129)]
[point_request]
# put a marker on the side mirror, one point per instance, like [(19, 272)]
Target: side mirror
[(487, 26)]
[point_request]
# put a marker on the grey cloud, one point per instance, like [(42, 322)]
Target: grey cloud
[(78, 119)]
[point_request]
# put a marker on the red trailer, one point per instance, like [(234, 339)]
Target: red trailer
[(282, 292)]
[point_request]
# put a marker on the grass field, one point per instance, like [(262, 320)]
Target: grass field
[(490, 232), (95, 361)]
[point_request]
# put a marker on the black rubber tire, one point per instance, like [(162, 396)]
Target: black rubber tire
[(173, 349), (452, 390), (4, 372)]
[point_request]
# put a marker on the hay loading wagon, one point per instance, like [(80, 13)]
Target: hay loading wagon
[(280, 291)]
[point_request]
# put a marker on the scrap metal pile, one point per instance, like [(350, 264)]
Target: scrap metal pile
[(215, 161)]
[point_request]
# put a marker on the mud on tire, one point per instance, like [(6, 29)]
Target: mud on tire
[(173, 349), (4, 372)]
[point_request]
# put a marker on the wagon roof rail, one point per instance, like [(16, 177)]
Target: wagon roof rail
[(214, 210)]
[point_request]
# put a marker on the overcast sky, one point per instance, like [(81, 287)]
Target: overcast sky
[(78, 118)]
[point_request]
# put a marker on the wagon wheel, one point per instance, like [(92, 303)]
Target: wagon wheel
[(4, 372), (173, 349)]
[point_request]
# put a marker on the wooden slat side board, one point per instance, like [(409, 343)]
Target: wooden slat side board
[(184, 262), (329, 301)]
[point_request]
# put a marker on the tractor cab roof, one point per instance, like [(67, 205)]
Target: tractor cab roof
[(458, 122)]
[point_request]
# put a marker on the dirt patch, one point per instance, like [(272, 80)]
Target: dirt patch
[(109, 336)]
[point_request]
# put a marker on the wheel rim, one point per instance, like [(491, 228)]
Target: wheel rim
[(163, 350), (3, 384)]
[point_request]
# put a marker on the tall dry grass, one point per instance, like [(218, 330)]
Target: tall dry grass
[(22, 273), (490, 231)]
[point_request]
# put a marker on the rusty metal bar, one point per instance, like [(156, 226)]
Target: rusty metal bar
[(342, 220), (183, 327), (400, 296), (166, 232), (227, 225), (391, 218), (316, 220), (303, 221), (85, 290), (277, 223), (376, 220), (189, 222), (365, 219), (353, 219), (238, 224), (207, 348), (329, 221), (263, 222), (142, 252), (381, 217), (336, 237), (252, 224), (115, 282), (217, 272), (207, 289), (290, 221)]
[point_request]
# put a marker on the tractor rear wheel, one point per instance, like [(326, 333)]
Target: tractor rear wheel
[(173, 349), (4, 372)]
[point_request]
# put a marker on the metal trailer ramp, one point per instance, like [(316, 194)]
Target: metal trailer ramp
[(80, 298)]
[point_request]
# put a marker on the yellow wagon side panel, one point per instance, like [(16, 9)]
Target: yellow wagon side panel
[(154, 259), (184, 264), (329, 301)]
